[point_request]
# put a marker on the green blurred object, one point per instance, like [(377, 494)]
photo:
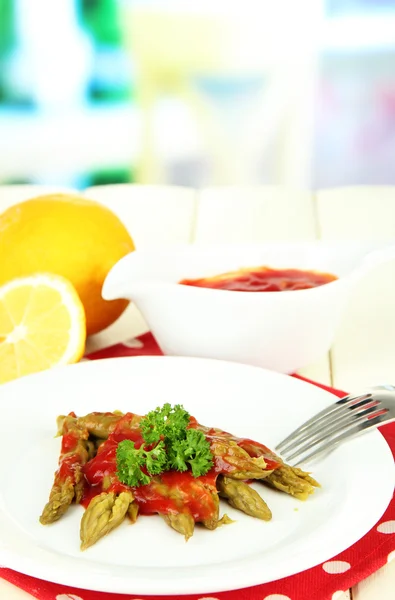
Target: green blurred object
[(101, 17), (111, 73), (7, 42), (7, 31), (108, 176)]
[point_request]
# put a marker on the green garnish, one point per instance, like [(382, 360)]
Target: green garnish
[(171, 446), (165, 422), (191, 452), (130, 460)]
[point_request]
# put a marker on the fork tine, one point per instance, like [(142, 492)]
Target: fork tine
[(323, 414), (357, 428), (329, 423), (346, 425)]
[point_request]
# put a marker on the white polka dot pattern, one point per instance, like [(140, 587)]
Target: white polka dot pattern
[(133, 343), (391, 556), (386, 527), (338, 595), (68, 597), (334, 567), (276, 597)]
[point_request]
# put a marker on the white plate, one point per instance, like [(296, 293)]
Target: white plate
[(148, 557)]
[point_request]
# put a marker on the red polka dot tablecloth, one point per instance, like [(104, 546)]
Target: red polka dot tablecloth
[(326, 581)]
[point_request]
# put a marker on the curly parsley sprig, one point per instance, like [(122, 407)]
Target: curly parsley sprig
[(171, 446), (164, 423), (192, 452), (130, 460)]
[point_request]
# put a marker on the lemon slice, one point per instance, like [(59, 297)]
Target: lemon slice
[(42, 325)]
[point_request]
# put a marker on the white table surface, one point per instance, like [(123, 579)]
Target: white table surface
[(379, 586)]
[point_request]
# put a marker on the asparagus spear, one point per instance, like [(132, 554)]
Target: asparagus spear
[(201, 493), (101, 424), (182, 522), (293, 481), (181, 500), (212, 521), (236, 462), (68, 481), (263, 457), (133, 511), (61, 496), (243, 497), (105, 512), (290, 480)]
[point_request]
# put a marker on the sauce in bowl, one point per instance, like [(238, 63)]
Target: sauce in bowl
[(263, 279)]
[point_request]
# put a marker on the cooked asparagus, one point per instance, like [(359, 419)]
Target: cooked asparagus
[(133, 511), (243, 497), (178, 493), (213, 520), (182, 522), (68, 480), (236, 462), (105, 512), (293, 481), (61, 496), (290, 480), (100, 425)]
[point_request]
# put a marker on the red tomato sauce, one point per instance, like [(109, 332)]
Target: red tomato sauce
[(263, 279), (68, 465), (172, 491), (169, 492), (69, 441)]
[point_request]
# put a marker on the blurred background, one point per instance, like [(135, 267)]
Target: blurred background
[(197, 92)]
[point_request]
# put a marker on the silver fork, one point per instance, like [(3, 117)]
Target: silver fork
[(341, 420)]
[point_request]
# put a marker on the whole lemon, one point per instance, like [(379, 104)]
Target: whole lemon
[(70, 236)]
